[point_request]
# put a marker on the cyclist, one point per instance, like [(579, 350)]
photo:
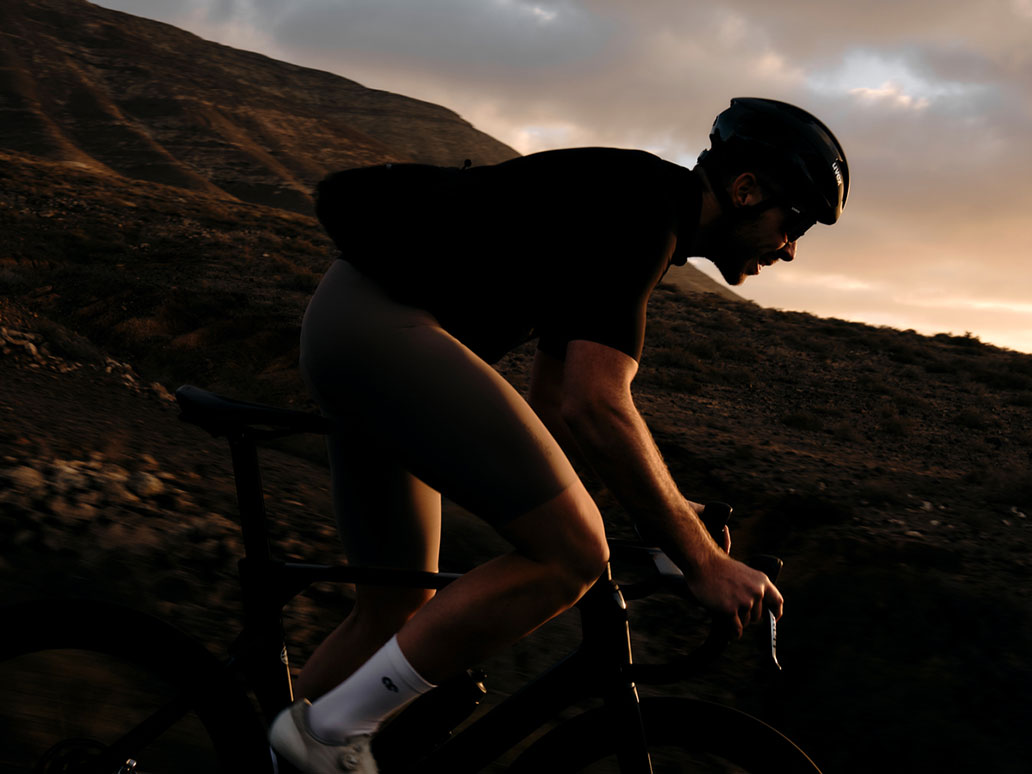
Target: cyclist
[(441, 272)]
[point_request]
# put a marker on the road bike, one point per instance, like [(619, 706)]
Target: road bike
[(88, 686)]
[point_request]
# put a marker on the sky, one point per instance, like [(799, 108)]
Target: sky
[(932, 101)]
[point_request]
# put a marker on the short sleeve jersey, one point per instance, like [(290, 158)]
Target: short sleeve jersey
[(559, 245)]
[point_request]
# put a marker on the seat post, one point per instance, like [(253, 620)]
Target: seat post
[(250, 496)]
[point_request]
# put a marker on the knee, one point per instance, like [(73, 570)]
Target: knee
[(587, 560), (584, 545), (566, 539), (578, 564)]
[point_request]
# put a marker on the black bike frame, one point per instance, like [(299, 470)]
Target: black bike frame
[(600, 668)]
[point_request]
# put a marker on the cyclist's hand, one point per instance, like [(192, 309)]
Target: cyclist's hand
[(734, 590)]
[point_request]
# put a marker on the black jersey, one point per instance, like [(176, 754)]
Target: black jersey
[(560, 245)]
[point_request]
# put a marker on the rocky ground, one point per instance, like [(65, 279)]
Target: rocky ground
[(897, 492)]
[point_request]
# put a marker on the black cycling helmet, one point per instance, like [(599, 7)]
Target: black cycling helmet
[(801, 155)]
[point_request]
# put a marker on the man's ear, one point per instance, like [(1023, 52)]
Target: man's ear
[(745, 190)]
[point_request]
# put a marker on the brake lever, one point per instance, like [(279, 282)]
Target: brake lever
[(715, 517), (771, 567)]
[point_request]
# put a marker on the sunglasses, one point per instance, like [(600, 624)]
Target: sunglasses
[(797, 223)]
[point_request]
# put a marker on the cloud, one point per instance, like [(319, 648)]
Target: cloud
[(892, 93), (449, 37)]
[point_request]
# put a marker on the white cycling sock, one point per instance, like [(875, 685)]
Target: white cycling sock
[(376, 689)]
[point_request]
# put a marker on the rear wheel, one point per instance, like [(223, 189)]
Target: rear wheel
[(684, 735), (90, 687)]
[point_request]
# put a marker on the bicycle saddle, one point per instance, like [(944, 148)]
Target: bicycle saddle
[(219, 415)]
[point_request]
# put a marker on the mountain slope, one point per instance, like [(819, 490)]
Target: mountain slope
[(691, 280), (122, 94), (129, 99)]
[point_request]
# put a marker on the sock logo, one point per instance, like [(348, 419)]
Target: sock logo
[(389, 684)]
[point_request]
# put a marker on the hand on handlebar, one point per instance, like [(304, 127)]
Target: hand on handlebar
[(724, 586), (735, 590)]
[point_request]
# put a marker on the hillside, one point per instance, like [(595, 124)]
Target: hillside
[(123, 95), (155, 186), (889, 470), (140, 249)]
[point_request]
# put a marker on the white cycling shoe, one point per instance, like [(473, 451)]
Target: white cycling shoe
[(292, 738)]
